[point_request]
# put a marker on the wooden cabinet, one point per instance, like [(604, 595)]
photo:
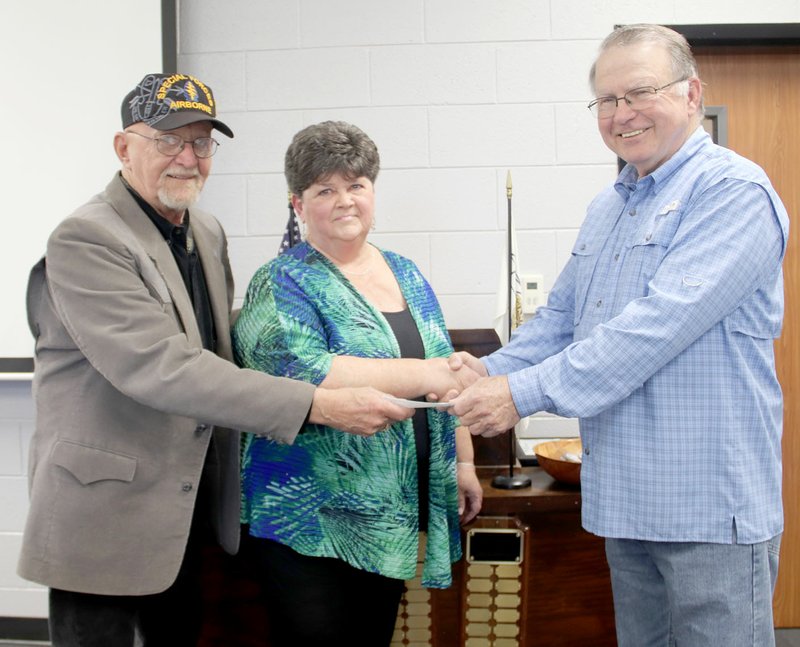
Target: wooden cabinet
[(566, 589), (564, 592)]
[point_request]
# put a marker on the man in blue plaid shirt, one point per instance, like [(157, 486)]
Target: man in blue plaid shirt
[(658, 335)]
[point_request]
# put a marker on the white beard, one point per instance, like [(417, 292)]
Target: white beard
[(180, 200)]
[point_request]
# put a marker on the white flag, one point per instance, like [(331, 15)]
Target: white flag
[(509, 279)]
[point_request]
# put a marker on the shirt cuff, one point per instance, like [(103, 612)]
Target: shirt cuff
[(527, 392), (492, 365)]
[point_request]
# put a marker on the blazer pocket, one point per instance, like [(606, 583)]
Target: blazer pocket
[(89, 464)]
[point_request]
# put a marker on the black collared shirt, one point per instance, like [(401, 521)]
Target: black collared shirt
[(180, 241)]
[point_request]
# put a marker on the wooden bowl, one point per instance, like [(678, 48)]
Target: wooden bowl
[(551, 459)]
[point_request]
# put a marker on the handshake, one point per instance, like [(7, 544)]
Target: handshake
[(482, 403)]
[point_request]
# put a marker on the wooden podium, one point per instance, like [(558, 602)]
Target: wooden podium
[(564, 586), (555, 593)]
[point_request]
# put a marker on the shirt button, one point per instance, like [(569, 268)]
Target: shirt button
[(632, 212), (586, 450), (599, 303), (201, 428), (186, 487), (583, 247), (648, 237), (616, 257)]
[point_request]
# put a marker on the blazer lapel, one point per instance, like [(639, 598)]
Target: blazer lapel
[(159, 252), (208, 246)]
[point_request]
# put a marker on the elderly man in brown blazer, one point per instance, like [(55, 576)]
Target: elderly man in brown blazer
[(130, 464)]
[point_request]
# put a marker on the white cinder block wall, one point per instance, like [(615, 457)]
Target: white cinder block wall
[(454, 92)]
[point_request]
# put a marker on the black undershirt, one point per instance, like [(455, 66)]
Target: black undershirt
[(410, 342)]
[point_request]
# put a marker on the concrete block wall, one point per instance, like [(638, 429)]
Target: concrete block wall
[(18, 598), (454, 92)]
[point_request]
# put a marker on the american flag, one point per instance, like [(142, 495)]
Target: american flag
[(291, 236)]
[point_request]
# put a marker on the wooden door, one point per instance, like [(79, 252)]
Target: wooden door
[(760, 86)]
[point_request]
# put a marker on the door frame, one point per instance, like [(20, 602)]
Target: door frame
[(786, 33), (741, 35)]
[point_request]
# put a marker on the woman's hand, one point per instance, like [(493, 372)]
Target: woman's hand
[(470, 492), (458, 360), (449, 376)]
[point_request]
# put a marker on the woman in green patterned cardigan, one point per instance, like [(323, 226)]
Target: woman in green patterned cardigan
[(338, 517)]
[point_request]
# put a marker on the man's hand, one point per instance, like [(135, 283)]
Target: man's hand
[(462, 358), (486, 407), (445, 379), (462, 370), (465, 375), (362, 411)]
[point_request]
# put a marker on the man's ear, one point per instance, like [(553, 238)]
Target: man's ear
[(121, 148), (695, 94)]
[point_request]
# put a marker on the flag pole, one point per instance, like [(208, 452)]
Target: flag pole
[(510, 268), (510, 481)]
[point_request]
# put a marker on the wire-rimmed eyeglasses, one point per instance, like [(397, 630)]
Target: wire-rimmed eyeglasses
[(637, 99), (172, 145)]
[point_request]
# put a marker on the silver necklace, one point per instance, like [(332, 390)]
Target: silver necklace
[(352, 273)]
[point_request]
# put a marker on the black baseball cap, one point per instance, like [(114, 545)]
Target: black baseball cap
[(167, 101)]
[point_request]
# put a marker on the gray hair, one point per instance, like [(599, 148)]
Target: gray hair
[(681, 57), (320, 150)]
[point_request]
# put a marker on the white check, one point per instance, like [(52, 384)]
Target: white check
[(416, 404)]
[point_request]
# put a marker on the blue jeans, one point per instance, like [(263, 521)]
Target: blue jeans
[(675, 594)]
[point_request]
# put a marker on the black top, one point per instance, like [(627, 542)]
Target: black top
[(410, 342)]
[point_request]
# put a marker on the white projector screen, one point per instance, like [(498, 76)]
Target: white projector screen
[(66, 68)]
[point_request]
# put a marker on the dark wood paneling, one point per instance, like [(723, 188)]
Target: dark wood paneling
[(480, 342)]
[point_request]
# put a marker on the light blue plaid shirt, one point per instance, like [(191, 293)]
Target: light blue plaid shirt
[(659, 335)]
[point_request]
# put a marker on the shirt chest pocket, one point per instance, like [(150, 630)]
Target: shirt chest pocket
[(584, 259), (649, 244)]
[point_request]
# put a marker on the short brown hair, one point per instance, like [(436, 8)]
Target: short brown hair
[(320, 150)]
